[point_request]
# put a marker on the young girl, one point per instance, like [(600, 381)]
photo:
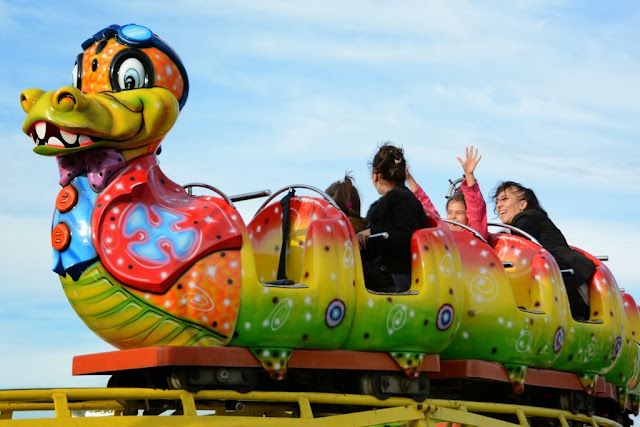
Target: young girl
[(345, 194), (466, 206)]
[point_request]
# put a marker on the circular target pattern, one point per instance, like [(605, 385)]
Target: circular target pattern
[(558, 340), (335, 313), (445, 317), (617, 346)]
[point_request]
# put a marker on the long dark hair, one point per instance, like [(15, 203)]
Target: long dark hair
[(389, 162), (345, 195), (522, 192)]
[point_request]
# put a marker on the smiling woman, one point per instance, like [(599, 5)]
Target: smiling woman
[(518, 206)]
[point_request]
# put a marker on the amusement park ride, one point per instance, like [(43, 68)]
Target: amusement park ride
[(220, 321)]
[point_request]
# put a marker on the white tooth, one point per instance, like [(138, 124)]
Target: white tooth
[(41, 129), (69, 138), (83, 138), (55, 142)]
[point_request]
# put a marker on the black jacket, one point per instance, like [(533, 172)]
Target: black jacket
[(538, 225), (399, 213)]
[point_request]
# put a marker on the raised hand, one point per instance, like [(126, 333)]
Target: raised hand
[(469, 164)]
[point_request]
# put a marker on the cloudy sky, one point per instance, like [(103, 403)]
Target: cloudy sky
[(301, 92)]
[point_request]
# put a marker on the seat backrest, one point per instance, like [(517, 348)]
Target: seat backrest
[(265, 231), (517, 255)]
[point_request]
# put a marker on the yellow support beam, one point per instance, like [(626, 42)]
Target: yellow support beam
[(229, 408)]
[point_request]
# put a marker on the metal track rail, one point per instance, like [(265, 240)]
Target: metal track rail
[(73, 407)]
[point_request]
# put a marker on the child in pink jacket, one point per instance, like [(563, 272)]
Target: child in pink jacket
[(466, 205)]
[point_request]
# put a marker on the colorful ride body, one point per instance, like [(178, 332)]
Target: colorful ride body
[(324, 303), (145, 263), (519, 314), (625, 372)]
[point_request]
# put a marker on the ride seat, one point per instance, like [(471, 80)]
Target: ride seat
[(266, 234), (517, 255)]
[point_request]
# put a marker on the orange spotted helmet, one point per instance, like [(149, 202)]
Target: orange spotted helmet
[(129, 57)]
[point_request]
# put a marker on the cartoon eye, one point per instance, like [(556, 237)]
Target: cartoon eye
[(76, 74), (131, 69), (131, 74)]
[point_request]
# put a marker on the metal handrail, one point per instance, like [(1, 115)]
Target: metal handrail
[(189, 187), (466, 227), (452, 185), (517, 230), (307, 187)]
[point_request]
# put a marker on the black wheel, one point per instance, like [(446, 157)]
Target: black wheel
[(373, 384), (250, 376), (425, 388)]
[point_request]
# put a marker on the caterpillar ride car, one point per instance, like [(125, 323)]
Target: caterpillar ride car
[(211, 309)]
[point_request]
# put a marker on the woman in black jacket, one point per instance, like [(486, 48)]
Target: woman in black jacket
[(518, 206), (387, 262)]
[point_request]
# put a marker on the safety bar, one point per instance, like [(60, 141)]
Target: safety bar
[(383, 235), (295, 186), (517, 230), (189, 187), (466, 227), (251, 195)]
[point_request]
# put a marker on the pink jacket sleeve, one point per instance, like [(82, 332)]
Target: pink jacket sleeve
[(476, 208), (425, 201)]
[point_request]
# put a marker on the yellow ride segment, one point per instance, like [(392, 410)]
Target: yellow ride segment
[(262, 409)]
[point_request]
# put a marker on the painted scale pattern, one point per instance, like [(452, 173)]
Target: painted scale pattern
[(125, 320)]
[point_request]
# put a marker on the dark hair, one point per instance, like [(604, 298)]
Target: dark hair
[(522, 192), (458, 196), (345, 195), (390, 163)]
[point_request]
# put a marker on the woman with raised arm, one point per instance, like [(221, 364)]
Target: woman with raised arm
[(518, 206), (387, 262), (466, 205)]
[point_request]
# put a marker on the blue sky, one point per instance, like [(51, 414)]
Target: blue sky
[(300, 92)]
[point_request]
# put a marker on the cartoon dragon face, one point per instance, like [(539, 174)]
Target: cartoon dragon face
[(128, 89)]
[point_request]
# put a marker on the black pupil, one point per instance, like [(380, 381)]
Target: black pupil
[(129, 83)]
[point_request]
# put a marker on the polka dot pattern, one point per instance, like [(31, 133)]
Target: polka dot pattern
[(147, 230), (96, 67), (207, 294)]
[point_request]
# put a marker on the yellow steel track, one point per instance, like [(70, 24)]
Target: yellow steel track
[(229, 408)]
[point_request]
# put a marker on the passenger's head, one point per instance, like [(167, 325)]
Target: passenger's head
[(345, 195), (389, 165), (512, 198), (457, 208)]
